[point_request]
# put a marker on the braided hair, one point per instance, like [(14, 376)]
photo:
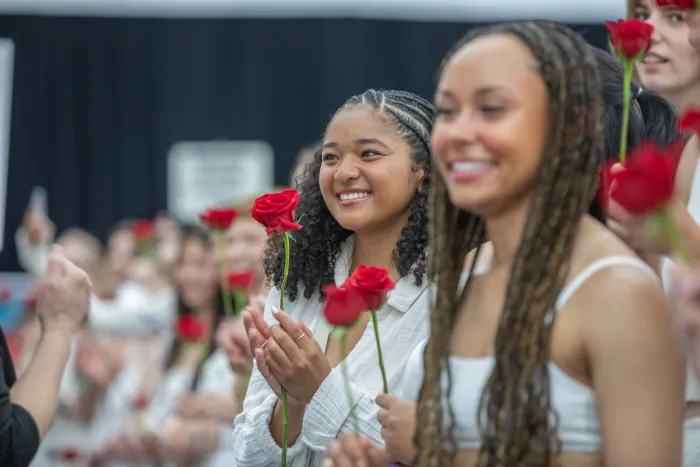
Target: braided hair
[(515, 407), (316, 246)]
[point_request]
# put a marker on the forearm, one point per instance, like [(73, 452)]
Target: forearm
[(38, 389), (295, 418)]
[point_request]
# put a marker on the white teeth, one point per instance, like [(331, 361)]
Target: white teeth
[(471, 166), (350, 196), (653, 59)]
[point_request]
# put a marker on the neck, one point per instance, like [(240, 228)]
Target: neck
[(505, 233), (376, 249), (683, 100), (207, 314)]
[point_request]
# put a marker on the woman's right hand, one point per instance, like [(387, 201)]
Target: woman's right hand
[(258, 333), (398, 420), (351, 451)]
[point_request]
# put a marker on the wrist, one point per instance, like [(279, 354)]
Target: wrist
[(55, 336), (292, 407)]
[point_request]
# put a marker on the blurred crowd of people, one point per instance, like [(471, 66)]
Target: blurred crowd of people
[(132, 394)]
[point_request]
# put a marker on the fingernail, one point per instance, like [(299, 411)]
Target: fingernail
[(275, 310)]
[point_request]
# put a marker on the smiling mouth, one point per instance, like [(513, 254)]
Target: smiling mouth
[(654, 60), (347, 199)]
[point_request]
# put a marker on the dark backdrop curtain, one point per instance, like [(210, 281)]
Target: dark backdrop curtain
[(98, 102)]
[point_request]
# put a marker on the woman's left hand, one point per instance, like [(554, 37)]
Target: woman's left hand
[(295, 358)]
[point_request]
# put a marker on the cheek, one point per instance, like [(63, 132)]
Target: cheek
[(325, 183), (438, 145)]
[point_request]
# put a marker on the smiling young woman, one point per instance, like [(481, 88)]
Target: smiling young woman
[(364, 202)]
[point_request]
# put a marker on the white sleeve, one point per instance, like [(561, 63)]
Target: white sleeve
[(253, 444), (329, 413), (32, 258), (136, 320)]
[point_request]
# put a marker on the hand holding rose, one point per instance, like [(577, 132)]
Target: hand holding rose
[(398, 420), (294, 358)]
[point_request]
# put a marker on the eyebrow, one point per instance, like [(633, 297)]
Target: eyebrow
[(359, 142), (480, 92)]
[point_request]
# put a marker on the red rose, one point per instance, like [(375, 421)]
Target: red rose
[(142, 230), (276, 211), (30, 301), (373, 283), (141, 402), (630, 38), (5, 294), (690, 121), (343, 306), (218, 218), (189, 328), (69, 454), (680, 4), (240, 280), (646, 181)]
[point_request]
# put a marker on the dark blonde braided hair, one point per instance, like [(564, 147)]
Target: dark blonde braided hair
[(516, 426)]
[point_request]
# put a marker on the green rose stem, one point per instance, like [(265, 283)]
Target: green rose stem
[(627, 82), (225, 289), (342, 334), (240, 300), (385, 385), (662, 221), (285, 237)]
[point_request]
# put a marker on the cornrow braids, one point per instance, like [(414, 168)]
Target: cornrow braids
[(316, 246), (517, 429)]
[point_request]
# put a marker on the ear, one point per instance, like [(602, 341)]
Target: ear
[(419, 171)]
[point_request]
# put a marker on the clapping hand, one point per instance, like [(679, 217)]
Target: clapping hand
[(63, 297), (233, 340), (294, 357)]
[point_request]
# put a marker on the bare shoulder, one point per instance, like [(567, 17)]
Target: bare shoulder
[(624, 292)]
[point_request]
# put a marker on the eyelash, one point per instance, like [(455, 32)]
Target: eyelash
[(365, 153), (488, 110)]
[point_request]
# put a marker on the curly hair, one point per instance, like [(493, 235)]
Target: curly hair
[(316, 246), (515, 407)]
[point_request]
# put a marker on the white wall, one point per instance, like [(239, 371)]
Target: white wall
[(573, 11)]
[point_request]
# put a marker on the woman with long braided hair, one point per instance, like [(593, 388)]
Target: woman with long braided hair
[(364, 201), (558, 350)]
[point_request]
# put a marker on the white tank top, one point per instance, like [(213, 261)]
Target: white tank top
[(692, 384), (572, 401)]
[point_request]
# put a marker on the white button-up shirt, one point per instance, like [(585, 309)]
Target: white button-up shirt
[(403, 322)]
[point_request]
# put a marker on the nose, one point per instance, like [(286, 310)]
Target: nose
[(464, 128), (347, 170), (656, 35)]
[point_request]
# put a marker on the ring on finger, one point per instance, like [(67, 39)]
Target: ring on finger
[(298, 339)]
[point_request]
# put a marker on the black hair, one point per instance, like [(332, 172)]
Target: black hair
[(316, 246), (652, 117), (195, 233)]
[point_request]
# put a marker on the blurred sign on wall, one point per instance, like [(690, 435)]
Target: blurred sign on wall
[(216, 173), (7, 60)]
